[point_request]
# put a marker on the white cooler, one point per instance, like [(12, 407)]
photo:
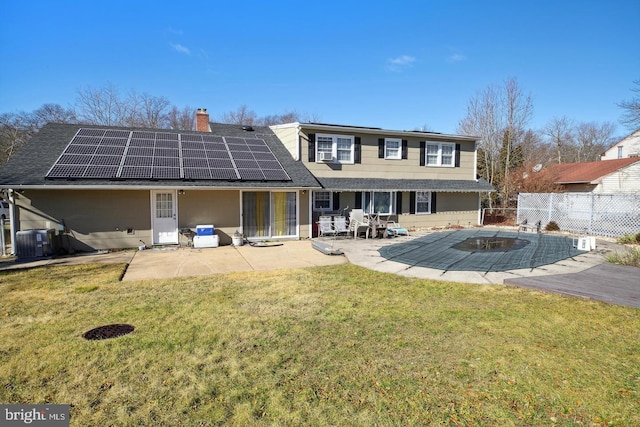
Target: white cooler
[(205, 237), (206, 241)]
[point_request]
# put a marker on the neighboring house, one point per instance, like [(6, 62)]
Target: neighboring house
[(418, 179), (113, 187), (618, 176), (627, 147)]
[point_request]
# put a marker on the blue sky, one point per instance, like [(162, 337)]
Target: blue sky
[(390, 64)]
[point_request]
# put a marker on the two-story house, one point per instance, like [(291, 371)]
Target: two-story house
[(629, 146), (419, 179), (107, 187)]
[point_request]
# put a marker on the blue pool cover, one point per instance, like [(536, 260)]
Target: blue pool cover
[(436, 250)]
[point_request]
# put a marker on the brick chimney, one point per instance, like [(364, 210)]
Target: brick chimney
[(202, 120)]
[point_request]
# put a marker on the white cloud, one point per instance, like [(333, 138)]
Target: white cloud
[(179, 48), (400, 63), (456, 57)]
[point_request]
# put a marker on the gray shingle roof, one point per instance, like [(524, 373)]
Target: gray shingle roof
[(29, 166), (373, 184)]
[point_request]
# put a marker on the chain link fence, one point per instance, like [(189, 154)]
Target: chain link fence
[(611, 215)]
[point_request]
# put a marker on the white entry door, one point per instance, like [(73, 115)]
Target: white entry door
[(164, 217)]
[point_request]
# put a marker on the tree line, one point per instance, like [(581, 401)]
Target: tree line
[(106, 106), (511, 156)]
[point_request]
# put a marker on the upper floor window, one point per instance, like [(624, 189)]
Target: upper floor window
[(334, 148), (620, 152), (392, 148), (440, 154)]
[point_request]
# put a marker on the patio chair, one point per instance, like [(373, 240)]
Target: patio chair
[(394, 229), (358, 223), (525, 226), (325, 226), (340, 225)]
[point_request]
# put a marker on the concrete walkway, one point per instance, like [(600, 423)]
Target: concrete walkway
[(587, 275), (180, 262)]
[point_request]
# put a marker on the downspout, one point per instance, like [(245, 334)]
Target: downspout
[(12, 221)]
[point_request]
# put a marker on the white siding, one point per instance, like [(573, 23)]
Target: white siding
[(630, 148), (626, 180)]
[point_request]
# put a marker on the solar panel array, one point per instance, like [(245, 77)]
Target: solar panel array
[(123, 154)]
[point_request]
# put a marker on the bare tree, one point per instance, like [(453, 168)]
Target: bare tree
[(499, 116), (631, 115), (592, 139), (241, 116), (483, 120), (100, 106), (559, 131), (14, 133), (181, 119), (52, 113), (518, 109), (153, 111)]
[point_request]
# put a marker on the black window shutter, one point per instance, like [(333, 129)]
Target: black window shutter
[(357, 150), (433, 202), (405, 149), (312, 147), (358, 200), (381, 148), (457, 155), (336, 200), (423, 145), (412, 202), (399, 202)]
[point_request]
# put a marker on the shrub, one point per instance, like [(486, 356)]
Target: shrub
[(632, 239), (630, 257), (552, 226)]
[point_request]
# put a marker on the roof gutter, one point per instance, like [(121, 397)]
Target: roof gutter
[(387, 132), (146, 187)]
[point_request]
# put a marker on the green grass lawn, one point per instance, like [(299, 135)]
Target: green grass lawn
[(337, 345)]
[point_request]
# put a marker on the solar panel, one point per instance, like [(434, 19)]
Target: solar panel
[(106, 160), (136, 172), (165, 173), (101, 172), (228, 174), (197, 173), (195, 163), (135, 154), (251, 174)]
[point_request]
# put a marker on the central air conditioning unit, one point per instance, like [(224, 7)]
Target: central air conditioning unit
[(325, 157)]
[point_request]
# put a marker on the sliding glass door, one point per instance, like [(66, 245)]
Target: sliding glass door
[(269, 214)]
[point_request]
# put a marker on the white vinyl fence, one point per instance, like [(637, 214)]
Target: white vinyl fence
[(611, 215)]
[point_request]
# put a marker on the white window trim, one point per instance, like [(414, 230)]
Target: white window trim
[(399, 155), (440, 145), (369, 209), (316, 209), (428, 201), (334, 148)]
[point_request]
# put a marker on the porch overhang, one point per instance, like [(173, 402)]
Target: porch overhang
[(377, 184)]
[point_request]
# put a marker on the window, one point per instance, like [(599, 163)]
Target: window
[(164, 205), (339, 147), (379, 202), (322, 201), (440, 154), (392, 148), (423, 202), (269, 214), (620, 152)]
